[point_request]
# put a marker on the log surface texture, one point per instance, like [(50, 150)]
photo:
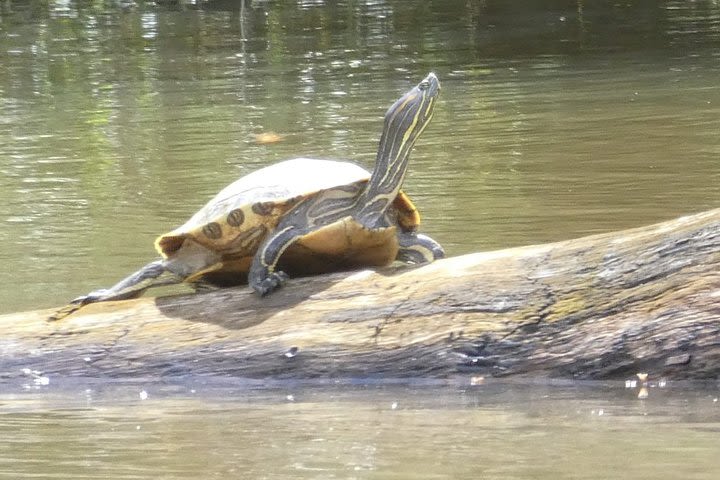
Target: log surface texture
[(606, 306)]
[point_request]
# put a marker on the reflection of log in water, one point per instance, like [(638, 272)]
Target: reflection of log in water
[(598, 307)]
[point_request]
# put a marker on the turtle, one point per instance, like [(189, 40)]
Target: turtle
[(299, 217)]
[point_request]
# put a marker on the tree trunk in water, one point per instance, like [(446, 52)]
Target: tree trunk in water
[(606, 306)]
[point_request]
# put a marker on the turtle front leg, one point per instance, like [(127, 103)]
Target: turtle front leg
[(418, 248), (264, 277)]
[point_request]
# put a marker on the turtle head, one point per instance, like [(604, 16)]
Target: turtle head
[(408, 116)]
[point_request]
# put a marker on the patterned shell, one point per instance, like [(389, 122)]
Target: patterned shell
[(237, 219)]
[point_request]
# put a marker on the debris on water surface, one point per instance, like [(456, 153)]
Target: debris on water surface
[(644, 384), (143, 395), (267, 138)]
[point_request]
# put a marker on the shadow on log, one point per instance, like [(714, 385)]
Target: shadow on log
[(606, 306)]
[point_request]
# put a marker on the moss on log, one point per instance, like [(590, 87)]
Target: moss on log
[(605, 306)]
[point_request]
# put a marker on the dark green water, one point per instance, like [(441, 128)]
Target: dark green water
[(557, 119)]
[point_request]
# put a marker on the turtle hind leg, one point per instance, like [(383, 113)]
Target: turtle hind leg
[(417, 248), (151, 275)]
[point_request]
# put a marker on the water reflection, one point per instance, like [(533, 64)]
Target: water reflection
[(557, 119)]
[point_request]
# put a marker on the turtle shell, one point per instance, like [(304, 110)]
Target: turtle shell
[(235, 222)]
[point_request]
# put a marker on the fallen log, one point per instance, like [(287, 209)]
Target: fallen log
[(605, 306)]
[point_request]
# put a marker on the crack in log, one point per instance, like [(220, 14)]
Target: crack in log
[(493, 354), (107, 349), (378, 327)]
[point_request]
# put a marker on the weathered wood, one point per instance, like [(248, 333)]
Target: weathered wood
[(604, 306)]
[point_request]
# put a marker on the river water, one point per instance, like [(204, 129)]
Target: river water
[(228, 429), (557, 119)]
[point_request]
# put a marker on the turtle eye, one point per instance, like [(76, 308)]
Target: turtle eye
[(424, 85)]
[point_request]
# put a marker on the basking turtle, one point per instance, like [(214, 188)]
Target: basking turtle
[(299, 217)]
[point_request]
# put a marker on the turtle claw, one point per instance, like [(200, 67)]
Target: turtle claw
[(271, 282), (94, 296), (438, 252), (76, 304)]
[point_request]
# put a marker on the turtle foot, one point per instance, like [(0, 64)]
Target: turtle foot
[(76, 304), (270, 283), (418, 249), (92, 297)]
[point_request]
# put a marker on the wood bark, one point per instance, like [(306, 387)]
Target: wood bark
[(605, 306)]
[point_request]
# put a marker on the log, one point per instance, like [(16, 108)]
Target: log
[(599, 307)]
